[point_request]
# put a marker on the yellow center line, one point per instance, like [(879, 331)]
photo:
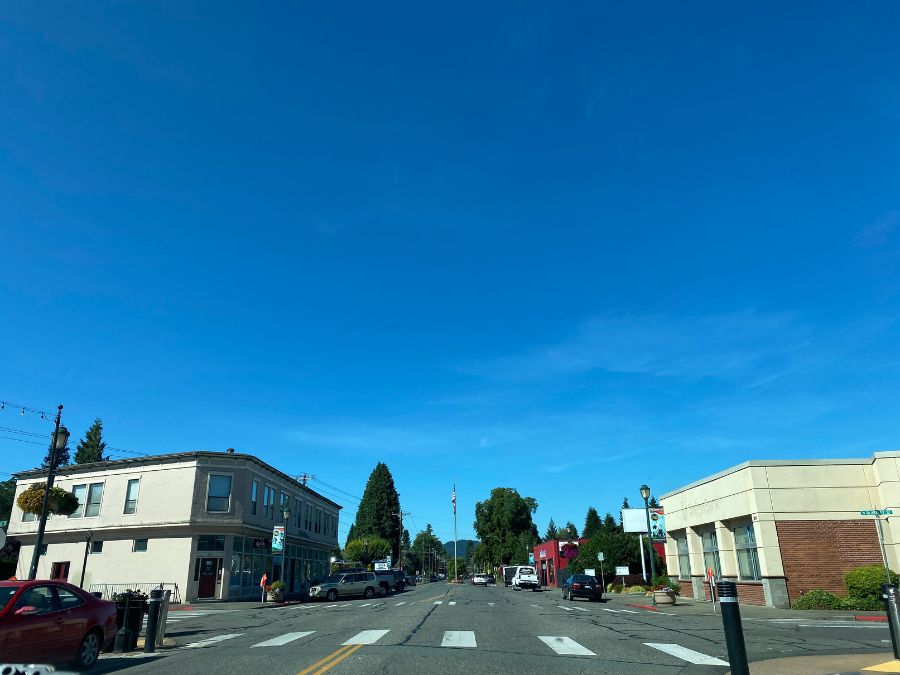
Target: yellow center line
[(322, 662), (343, 656), (434, 598)]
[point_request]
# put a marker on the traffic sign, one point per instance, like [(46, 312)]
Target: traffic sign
[(600, 557), (877, 512)]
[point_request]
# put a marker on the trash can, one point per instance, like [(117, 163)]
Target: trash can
[(130, 611)]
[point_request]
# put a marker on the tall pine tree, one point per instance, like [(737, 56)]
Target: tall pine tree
[(62, 457), (592, 523), (376, 513), (552, 533), (653, 504), (91, 447), (569, 531)]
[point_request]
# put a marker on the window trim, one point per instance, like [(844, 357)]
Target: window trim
[(717, 566), (82, 501), (230, 477), (683, 557), (87, 501), (125, 510), (254, 496), (94, 543), (753, 550)]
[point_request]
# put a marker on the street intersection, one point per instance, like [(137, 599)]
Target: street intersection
[(449, 628)]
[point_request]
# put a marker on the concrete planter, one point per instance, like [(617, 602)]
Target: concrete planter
[(276, 596), (664, 597)]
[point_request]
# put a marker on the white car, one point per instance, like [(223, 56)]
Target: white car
[(480, 580)]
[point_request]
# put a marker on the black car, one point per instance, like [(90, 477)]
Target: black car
[(582, 586)]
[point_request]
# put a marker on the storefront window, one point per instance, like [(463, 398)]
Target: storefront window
[(747, 557), (684, 560), (711, 552)]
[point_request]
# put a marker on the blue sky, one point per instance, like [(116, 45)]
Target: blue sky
[(567, 249)]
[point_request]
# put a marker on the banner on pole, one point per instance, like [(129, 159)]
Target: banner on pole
[(278, 539)]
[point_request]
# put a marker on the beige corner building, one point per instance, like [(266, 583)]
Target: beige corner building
[(201, 523), (781, 528)]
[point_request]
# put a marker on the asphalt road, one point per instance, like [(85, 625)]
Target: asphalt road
[(447, 628)]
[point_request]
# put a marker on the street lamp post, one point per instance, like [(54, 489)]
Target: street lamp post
[(58, 441), (286, 514), (88, 537), (645, 493)]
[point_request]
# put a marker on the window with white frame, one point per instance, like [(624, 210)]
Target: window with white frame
[(79, 491), (218, 493), (711, 552), (684, 559), (747, 556), (94, 499), (139, 546), (131, 495)]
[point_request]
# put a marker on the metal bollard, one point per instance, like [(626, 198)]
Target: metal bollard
[(889, 595), (734, 630), (156, 596)]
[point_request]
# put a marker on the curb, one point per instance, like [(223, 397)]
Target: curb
[(649, 608), (871, 618)]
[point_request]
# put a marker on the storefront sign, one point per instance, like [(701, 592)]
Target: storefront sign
[(635, 521), (542, 553), (278, 539), (622, 571), (261, 542)]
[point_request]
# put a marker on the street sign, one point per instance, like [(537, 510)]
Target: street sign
[(531, 557), (877, 512), (601, 557), (590, 571), (622, 570)]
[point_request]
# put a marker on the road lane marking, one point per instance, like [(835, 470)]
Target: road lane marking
[(581, 609), (367, 637), (283, 639), (366, 604), (329, 661), (606, 609), (434, 598), (458, 638), (439, 602), (213, 640), (330, 606), (686, 654), (492, 604), (538, 606), (568, 609), (565, 646), (451, 603), (630, 611), (349, 604)]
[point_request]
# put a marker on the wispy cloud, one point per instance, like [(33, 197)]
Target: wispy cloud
[(877, 233), (718, 345)]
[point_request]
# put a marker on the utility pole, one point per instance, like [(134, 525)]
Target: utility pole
[(400, 540), (58, 441), (304, 477)]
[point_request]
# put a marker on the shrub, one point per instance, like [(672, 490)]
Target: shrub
[(865, 582), (818, 600), (663, 582), (863, 604), (276, 586), (613, 588), (636, 589)]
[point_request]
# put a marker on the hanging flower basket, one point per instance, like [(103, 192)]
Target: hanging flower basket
[(61, 503)]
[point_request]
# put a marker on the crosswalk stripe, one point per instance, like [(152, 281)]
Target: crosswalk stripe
[(439, 602), (568, 609), (213, 640), (686, 654), (283, 639), (400, 603), (492, 603), (458, 638), (451, 603), (565, 646), (366, 637)]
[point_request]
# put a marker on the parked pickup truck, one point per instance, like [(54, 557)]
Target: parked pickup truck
[(525, 577)]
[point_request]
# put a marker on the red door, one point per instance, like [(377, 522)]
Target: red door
[(209, 567)]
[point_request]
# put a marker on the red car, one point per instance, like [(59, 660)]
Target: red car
[(53, 622)]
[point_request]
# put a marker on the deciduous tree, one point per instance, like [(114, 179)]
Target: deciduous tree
[(505, 527), (366, 549)]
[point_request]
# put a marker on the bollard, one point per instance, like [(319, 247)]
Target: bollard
[(734, 631), (156, 596), (889, 595)]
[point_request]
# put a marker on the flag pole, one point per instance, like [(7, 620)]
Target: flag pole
[(455, 537)]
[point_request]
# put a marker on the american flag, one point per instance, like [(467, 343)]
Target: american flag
[(453, 499)]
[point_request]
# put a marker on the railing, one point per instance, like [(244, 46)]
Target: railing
[(109, 590)]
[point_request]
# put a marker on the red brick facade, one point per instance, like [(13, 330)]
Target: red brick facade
[(816, 554), (686, 587), (751, 594)]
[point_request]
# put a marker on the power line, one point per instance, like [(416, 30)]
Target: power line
[(22, 409)]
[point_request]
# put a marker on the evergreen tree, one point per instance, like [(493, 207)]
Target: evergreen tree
[(625, 504), (351, 533), (653, 503), (551, 533), (569, 531), (91, 447), (610, 524), (380, 501), (592, 523), (7, 493)]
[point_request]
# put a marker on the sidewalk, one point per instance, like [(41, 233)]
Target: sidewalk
[(691, 607), (864, 664)]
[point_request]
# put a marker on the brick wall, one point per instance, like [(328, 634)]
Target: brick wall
[(686, 588), (818, 553), (751, 594)]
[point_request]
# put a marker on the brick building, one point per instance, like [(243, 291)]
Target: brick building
[(781, 528)]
